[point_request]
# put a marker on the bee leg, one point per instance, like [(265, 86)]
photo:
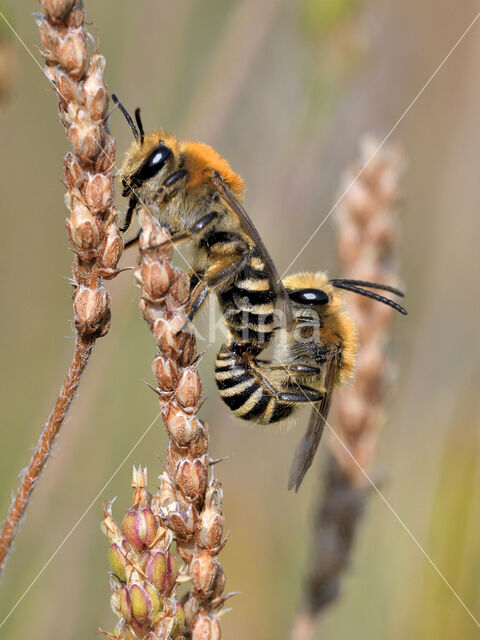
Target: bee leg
[(132, 203), (211, 282), (304, 394), (302, 369), (195, 230)]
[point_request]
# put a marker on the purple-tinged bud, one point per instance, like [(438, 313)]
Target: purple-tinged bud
[(145, 603), (140, 527), (125, 604), (118, 561), (160, 568)]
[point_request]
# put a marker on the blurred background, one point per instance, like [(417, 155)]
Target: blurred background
[(285, 90)]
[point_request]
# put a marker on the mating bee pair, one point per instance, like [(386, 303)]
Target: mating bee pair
[(314, 348)]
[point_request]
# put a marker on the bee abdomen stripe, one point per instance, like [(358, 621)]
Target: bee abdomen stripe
[(227, 380), (238, 400), (254, 403), (259, 284), (257, 411)]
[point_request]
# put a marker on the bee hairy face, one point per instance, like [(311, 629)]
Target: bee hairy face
[(152, 166)]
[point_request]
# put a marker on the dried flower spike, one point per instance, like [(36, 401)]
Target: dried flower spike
[(189, 501), (92, 224), (366, 235)]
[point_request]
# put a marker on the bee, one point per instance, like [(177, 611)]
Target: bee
[(199, 196), (309, 360)]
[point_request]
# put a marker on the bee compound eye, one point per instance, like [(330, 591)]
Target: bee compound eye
[(154, 162), (312, 297)]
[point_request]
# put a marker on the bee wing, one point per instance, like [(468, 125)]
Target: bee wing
[(309, 444), (248, 225)]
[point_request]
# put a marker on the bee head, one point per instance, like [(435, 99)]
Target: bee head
[(149, 160)]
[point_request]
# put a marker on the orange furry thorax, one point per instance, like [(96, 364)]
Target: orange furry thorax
[(200, 158)]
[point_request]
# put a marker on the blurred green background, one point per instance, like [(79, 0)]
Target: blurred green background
[(284, 90)]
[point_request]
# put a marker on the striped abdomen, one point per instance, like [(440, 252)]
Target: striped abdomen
[(243, 393), (248, 306)]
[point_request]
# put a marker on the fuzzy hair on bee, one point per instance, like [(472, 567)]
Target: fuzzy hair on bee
[(198, 198)]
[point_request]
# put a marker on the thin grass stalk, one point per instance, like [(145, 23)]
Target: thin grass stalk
[(189, 501), (91, 226), (366, 235)]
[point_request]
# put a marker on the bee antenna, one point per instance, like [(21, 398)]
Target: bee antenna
[(339, 284), (139, 122), (369, 285), (128, 117)]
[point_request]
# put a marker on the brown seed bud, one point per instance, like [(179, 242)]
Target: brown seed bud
[(48, 34), (155, 278), (180, 520), (140, 527), (192, 476), (83, 229), (92, 311), (180, 287), (85, 136), (181, 427), (71, 51), (57, 9), (111, 248), (67, 88), (206, 628), (106, 158), (153, 234), (165, 372), (207, 574), (166, 495), (191, 608), (98, 191), (74, 18), (160, 567), (165, 337), (94, 89), (74, 173), (189, 390), (210, 526)]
